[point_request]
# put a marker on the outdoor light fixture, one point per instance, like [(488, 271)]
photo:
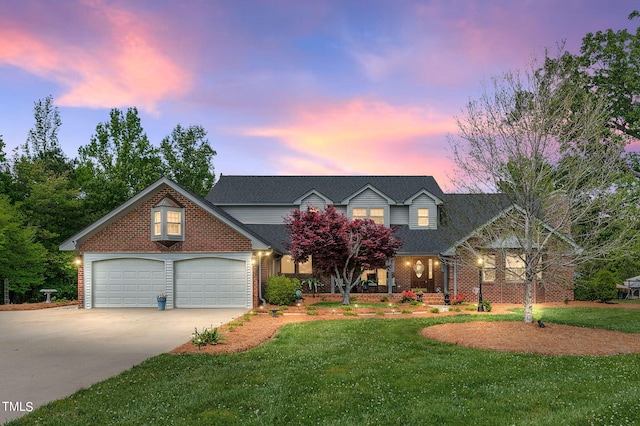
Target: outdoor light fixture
[(480, 305)]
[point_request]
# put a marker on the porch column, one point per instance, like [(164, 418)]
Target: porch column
[(455, 275), (390, 279)]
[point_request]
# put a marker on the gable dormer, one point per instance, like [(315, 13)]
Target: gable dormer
[(312, 198), (423, 210), (371, 203)]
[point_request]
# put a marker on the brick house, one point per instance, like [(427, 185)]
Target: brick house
[(220, 250)]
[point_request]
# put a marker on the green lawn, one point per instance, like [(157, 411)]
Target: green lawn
[(370, 371)]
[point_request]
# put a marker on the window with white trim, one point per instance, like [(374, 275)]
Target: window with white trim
[(374, 213), (489, 267), (377, 215), (423, 217), (167, 221), (288, 266), (359, 213), (514, 268)]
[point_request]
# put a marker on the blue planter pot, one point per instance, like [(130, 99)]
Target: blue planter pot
[(162, 303)]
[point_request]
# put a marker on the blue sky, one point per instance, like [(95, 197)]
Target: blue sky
[(282, 87)]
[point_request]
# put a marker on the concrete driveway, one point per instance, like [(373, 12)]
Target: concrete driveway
[(51, 353)]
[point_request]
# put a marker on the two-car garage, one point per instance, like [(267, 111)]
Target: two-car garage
[(166, 240), (189, 281)]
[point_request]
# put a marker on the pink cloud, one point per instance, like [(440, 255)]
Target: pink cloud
[(362, 137), (123, 65), (440, 45)]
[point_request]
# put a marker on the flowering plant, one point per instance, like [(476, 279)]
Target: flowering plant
[(408, 296), (457, 299), (162, 296), (208, 336)]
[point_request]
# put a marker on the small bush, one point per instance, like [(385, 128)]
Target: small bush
[(471, 308), (408, 296), (457, 299), (407, 311), (455, 310), (208, 336), (349, 313), (384, 299), (434, 310), (380, 313), (487, 305), (281, 290)]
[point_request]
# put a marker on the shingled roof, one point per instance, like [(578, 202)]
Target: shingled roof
[(287, 189), (461, 214)]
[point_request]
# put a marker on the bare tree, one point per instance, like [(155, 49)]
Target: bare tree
[(541, 140)]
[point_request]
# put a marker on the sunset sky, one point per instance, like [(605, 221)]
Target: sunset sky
[(282, 87)]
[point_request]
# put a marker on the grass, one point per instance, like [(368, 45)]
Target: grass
[(369, 371)]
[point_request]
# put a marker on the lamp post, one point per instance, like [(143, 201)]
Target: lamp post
[(480, 305)]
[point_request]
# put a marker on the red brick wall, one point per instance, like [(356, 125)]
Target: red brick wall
[(555, 286), (131, 233), (403, 273)]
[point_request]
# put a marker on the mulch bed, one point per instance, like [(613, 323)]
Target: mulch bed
[(36, 306)]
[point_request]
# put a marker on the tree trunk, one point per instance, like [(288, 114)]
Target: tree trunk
[(345, 301), (528, 301)]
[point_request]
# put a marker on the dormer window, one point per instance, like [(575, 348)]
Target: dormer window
[(167, 221), (375, 214), (423, 217)]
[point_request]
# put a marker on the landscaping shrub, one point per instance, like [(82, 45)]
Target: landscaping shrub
[(457, 299), (601, 287), (408, 296), (487, 305), (281, 290), (208, 336)]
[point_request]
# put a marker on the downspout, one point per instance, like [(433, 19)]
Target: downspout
[(260, 256), (262, 300)]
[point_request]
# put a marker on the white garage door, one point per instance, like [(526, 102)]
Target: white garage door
[(127, 283), (210, 283)]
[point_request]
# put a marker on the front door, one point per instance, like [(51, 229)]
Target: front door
[(422, 274)]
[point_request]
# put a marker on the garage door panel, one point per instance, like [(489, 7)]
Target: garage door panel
[(127, 282), (210, 282)]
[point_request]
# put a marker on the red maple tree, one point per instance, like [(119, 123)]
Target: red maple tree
[(339, 247)]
